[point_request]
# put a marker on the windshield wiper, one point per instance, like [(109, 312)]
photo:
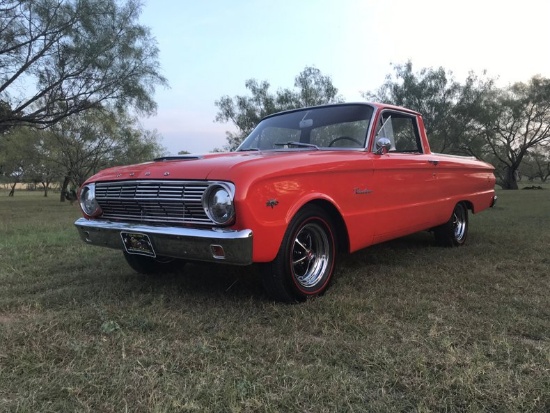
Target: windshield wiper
[(249, 150), (298, 144)]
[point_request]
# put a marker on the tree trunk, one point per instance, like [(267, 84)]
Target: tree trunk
[(64, 186), (510, 178), (12, 192), (45, 185)]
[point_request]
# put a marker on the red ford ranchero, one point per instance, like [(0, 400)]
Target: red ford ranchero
[(304, 186)]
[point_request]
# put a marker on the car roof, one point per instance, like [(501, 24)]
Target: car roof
[(374, 105)]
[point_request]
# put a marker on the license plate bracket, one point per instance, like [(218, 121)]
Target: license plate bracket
[(137, 243)]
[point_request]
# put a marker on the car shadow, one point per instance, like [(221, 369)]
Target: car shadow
[(238, 283), (204, 279)]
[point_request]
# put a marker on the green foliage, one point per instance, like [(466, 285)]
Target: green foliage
[(25, 158), (61, 57), (312, 88), (536, 164), (5, 112), (406, 326), (18, 154), (75, 148), (518, 123), (498, 125), (95, 140), (445, 104)]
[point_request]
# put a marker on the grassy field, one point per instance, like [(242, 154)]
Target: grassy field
[(405, 327)]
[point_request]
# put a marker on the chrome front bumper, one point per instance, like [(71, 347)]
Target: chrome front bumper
[(211, 245)]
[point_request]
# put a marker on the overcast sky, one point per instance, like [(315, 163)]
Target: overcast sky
[(208, 49)]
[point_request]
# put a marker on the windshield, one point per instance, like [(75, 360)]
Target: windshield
[(339, 126)]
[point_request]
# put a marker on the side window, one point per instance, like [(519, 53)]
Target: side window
[(402, 131)]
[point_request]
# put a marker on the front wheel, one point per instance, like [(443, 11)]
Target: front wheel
[(454, 232), (153, 266), (304, 264)]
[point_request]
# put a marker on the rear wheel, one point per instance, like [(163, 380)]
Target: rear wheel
[(454, 232), (304, 264), (153, 266)]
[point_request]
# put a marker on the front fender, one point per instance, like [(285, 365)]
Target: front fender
[(267, 209)]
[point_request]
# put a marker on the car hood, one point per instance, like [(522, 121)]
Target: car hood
[(223, 166)]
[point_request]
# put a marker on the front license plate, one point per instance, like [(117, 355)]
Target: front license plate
[(136, 243)]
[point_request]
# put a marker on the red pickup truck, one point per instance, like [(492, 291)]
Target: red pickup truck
[(304, 186)]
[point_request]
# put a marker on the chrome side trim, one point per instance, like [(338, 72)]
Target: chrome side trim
[(177, 242)]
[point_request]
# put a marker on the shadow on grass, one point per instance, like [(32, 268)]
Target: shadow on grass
[(202, 281), (104, 276)]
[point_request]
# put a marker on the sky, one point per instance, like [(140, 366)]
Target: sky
[(208, 49)]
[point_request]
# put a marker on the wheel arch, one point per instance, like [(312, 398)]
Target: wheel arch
[(340, 228), (468, 204)]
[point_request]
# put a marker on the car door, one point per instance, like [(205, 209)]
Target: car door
[(404, 179)]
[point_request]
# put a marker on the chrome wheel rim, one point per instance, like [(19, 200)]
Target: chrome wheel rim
[(459, 223), (310, 255)]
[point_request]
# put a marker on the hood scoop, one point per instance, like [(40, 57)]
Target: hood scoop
[(177, 158)]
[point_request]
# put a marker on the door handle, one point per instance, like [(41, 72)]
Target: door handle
[(433, 162)]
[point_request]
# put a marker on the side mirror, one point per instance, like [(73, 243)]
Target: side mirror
[(383, 145)]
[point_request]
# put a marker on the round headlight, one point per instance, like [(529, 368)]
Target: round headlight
[(88, 202), (218, 204)]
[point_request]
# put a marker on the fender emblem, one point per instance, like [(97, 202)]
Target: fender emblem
[(359, 191), (272, 203)]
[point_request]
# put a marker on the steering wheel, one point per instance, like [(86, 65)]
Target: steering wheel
[(345, 138)]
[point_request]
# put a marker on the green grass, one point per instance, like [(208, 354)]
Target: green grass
[(406, 326)]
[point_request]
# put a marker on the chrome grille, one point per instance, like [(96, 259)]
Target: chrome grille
[(171, 202)]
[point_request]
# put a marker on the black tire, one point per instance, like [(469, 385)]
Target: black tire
[(153, 266), (304, 265), (455, 231)]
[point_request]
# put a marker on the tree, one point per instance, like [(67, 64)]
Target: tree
[(17, 155), (498, 125), (62, 57), (75, 148), (44, 169), (86, 143), (445, 104), (516, 122), (536, 164), (312, 88)]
